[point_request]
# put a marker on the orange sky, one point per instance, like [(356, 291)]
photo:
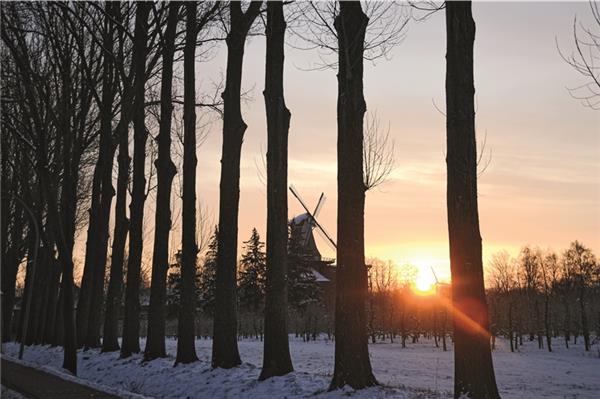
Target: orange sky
[(542, 186)]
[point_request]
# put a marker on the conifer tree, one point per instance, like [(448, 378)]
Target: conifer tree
[(252, 277), (208, 275), (174, 286)]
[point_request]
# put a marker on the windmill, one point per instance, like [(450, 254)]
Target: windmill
[(307, 222), (440, 290), (438, 286)]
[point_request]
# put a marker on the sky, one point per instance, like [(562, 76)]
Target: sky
[(542, 184)]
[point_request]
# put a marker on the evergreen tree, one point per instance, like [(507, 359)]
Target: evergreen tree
[(207, 284), (302, 283), (174, 286), (252, 277)]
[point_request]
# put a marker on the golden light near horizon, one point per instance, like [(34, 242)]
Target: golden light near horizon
[(424, 283)]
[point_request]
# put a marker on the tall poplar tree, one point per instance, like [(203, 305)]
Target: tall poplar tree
[(352, 364), (473, 368), (276, 359), (225, 353), (165, 168)]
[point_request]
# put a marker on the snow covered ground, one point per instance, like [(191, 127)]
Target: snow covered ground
[(418, 371)]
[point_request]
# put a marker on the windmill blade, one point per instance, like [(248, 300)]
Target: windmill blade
[(319, 206), (313, 221), (434, 275), (297, 195), (309, 227), (325, 235)]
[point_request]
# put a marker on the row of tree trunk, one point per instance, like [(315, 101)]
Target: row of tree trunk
[(473, 363)]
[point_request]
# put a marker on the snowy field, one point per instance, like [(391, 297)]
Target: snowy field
[(418, 371)]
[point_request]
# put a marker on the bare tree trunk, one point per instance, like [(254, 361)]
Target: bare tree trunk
[(510, 326), (276, 360), (131, 325), (444, 347), (473, 368), (352, 364), (567, 325), (10, 267), (84, 301), (547, 322), (225, 352), (53, 303), (165, 168), (114, 294), (43, 293), (115, 286), (584, 322), (186, 331), (107, 192), (63, 221), (538, 325)]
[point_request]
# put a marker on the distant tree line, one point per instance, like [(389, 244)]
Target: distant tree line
[(538, 296), (543, 295)]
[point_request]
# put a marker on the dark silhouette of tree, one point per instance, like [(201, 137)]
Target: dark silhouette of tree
[(582, 263), (225, 352), (115, 285), (165, 168), (352, 364), (276, 359), (131, 323), (208, 275), (14, 225), (186, 330), (252, 275), (378, 153), (503, 279), (549, 268), (174, 287), (473, 368), (52, 94), (97, 243)]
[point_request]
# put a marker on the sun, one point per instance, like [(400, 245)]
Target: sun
[(424, 284)]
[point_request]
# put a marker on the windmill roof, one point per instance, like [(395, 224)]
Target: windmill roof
[(300, 218)]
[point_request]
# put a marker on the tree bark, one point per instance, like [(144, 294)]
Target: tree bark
[(107, 192), (10, 267), (131, 324), (114, 294), (85, 293), (584, 321), (473, 368), (186, 327), (165, 168), (276, 360), (115, 286), (510, 326), (225, 352), (547, 322), (352, 364), (51, 319)]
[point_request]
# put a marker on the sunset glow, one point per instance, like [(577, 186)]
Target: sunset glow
[(424, 284)]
